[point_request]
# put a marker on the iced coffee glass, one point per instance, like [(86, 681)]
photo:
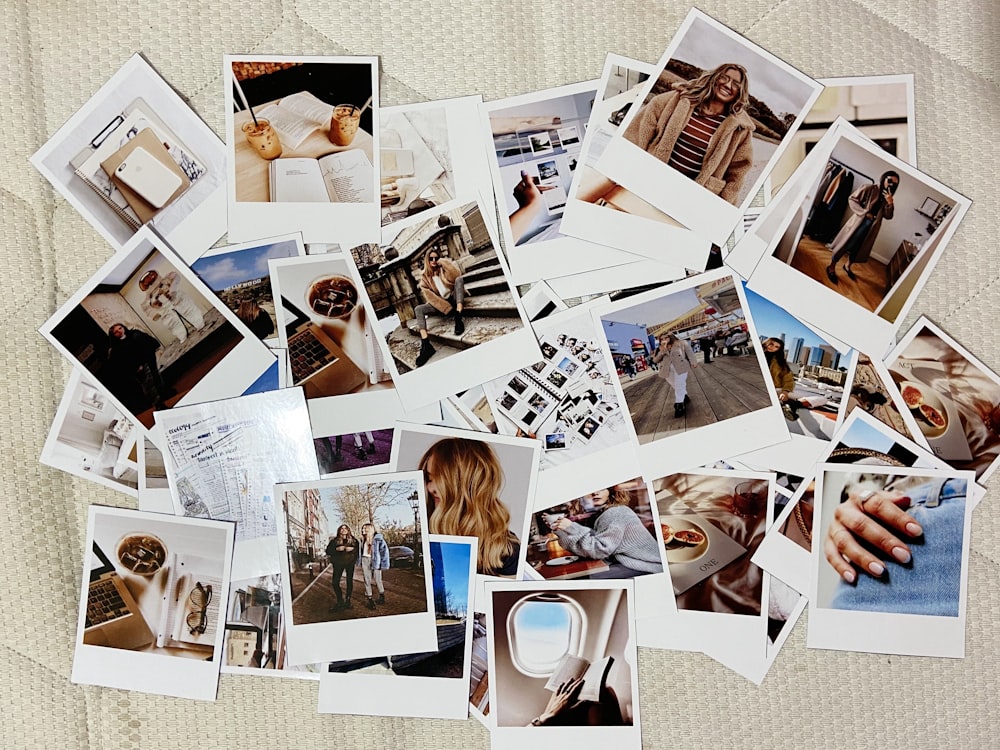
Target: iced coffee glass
[(344, 124), (333, 297), (263, 139)]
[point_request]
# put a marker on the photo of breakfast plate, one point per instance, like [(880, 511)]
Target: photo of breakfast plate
[(689, 537), (928, 409), (688, 540), (668, 533)]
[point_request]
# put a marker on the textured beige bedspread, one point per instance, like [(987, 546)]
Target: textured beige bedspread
[(57, 52)]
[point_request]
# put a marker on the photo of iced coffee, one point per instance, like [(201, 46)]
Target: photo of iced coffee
[(332, 296), (344, 124), (263, 138)]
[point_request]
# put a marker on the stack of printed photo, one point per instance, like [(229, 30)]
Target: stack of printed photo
[(609, 365)]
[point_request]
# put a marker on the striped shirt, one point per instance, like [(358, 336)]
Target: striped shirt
[(692, 143)]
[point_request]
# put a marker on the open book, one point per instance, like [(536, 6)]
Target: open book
[(295, 117), (189, 617), (341, 177), (594, 675)]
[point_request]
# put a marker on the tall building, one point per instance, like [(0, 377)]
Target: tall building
[(828, 354), (792, 352), (440, 589), (803, 358)]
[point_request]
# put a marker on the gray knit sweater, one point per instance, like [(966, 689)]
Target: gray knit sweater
[(617, 533)]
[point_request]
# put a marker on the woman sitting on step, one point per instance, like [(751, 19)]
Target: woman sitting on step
[(443, 288)]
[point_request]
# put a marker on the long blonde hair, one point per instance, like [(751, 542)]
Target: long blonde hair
[(701, 89), (469, 478)]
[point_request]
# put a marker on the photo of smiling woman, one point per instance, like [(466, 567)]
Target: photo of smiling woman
[(464, 480), (701, 128)]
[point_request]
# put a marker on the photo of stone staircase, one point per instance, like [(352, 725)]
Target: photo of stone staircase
[(391, 273), (489, 311)]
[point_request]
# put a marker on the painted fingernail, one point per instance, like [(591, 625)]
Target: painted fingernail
[(876, 569), (913, 529), (901, 554), (849, 575)]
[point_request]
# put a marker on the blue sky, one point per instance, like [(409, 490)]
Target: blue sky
[(771, 321), (224, 270), (456, 572)]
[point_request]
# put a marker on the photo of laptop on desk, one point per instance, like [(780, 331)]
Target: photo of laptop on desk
[(113, 618), (318, 364)]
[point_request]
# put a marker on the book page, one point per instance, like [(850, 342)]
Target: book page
[(349, 176), (297, 181), (184, 607), (295, 119), (308, 106), (569, 668), (593, 679)]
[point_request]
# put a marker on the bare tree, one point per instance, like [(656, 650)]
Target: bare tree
[(359, 504)]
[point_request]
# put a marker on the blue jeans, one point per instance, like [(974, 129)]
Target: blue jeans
[(930, 583)]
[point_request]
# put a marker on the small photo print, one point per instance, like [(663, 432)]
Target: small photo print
[(539, 649), (423, 273), (540, 143), (137, 154), (712, 524), (930, 581), (721, 84), (437, 683), (148, 330), (533, 162), (354, 567), (355, 450), (538, 403), (501, 472), (678, 390), (557, 379), (529, 417), (607, 533), (548, 351), (539, 366), (382, 557), (303, 131), (517, 385), (508, 401), (555, 441), (952, 399), (255, 630), (92, 439), (589, 427), (864, 232), (324, 326), (808, 374), (239, 275), (569, 136), (154, 586)]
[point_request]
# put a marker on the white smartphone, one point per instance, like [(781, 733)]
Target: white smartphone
[(148, 177)]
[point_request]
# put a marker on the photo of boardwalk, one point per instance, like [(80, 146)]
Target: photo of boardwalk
[(686, 360)]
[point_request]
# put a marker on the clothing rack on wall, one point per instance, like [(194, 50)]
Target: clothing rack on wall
[(839, 163)]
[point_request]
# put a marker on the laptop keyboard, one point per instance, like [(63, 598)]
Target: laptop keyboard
[(307, 354), (104, 603)]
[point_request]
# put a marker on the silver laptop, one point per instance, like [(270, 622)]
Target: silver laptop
[(113, 618)]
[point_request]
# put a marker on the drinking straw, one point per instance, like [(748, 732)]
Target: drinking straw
[(366, 106), (243, 98)]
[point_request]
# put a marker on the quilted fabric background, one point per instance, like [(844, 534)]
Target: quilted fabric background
[(57, 52)]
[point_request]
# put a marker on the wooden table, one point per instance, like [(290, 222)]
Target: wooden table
[(578, 569), (252, 171)]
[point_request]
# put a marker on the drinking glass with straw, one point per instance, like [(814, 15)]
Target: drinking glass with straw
[(344, 122), (263, 138)]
